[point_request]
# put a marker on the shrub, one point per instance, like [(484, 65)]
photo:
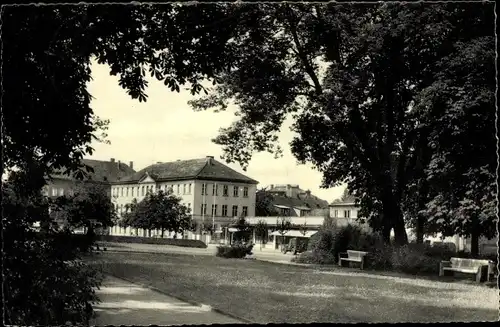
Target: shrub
[(412, 260), (313, 240), (237, 250), (380, 257), (315, 257), (150, 240)]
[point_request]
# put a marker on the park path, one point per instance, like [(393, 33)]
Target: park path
[(264, 255), (124, 303)]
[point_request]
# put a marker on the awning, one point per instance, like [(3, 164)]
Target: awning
[(303, 208), (281, 206), (295, 233)]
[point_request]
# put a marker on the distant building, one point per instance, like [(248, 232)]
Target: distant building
[(105, 173), (213, 192), (291, 201)]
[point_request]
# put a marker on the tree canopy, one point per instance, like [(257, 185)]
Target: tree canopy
[(264, 204), (158, 210), (376, 93)]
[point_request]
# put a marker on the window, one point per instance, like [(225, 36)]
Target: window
[(54, 191), (189, 207), (178, 188), (127, 192), (347, 213), (235, 191), (189, 188), (203, 189), (121, 191), (245, 192), (214, 210), (225, 190), (132, 191), (224, 210), (335, 213), (184, 188), (142, 191), (235, 211), (204, 209), (61, 191), (245, 211), (215, 189)]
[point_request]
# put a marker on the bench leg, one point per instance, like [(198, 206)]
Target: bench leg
[(482, 273)]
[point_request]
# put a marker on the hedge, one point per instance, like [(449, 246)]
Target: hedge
[(237, 251), (147, 240)]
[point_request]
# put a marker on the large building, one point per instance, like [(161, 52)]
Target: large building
[(214, 192), (105, 173)]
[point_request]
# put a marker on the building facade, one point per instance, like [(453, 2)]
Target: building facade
[(213, 192), (104, 173)]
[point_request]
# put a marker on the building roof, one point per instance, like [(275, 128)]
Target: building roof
[(204, 169), (346, 199), (104, 171)]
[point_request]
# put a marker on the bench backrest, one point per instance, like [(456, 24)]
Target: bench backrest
[(468, 263), (356, 254)]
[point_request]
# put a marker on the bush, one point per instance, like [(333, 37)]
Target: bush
[(380, 257), (315, 257), (150, 240), (414, 260), (237, 250)]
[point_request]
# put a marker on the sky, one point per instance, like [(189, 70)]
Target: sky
[(165, 128)]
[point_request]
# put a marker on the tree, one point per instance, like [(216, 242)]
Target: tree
[(264, 204), (283, 225), (163, 211), (352, 90), (261, 230), (89, 206), (242, 227), (44, 283)]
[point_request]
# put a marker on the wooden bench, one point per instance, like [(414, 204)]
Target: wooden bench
[(352, 256), (482, 269)]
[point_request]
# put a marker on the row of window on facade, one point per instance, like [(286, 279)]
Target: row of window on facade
[(347, 214), (186, 189), (55, 191), (244, 210)]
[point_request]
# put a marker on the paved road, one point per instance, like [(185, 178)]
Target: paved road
[(266, 255), (124, 303)]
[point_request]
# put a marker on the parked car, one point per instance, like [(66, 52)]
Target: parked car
[(296, 245)]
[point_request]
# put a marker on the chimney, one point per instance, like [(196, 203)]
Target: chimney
[(158, 162), (131, 164), (112, 159), (209, 159), (119, 164)]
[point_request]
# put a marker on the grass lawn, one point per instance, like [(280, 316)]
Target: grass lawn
[(265, 292)]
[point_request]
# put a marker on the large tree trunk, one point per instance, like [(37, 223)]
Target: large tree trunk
[(422, 199), (419, 230), (393, 218)]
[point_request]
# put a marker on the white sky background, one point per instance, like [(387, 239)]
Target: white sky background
[(165, 128)]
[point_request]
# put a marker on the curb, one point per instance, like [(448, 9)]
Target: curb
[(183, 299)]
